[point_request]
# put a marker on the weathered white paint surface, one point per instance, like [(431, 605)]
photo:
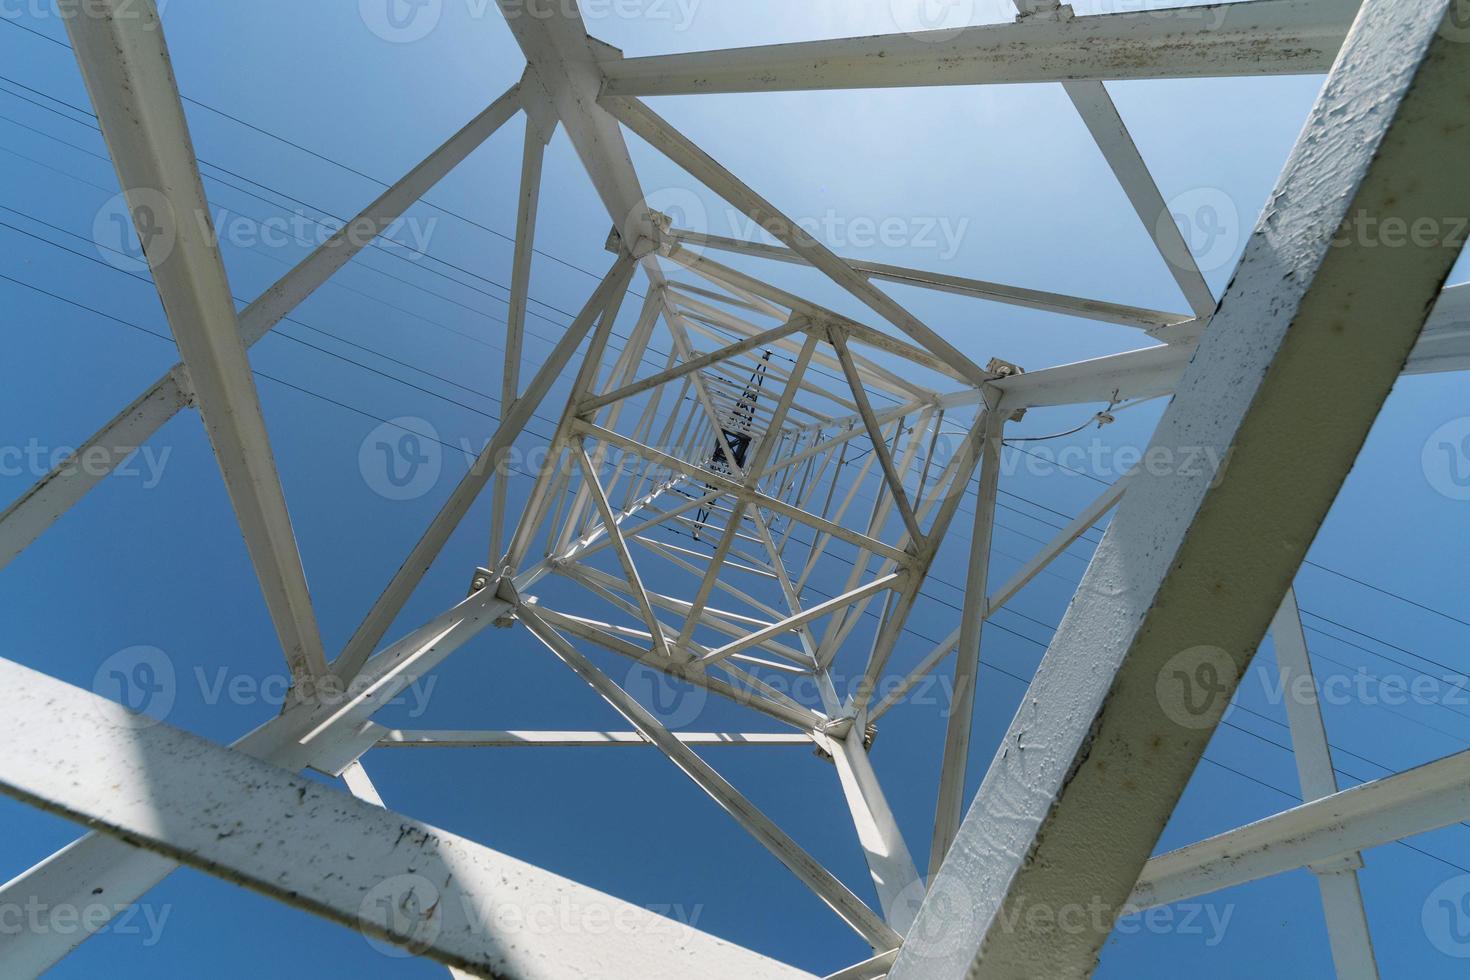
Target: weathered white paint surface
[(391, 877), (1262, 37), (1288, 379)]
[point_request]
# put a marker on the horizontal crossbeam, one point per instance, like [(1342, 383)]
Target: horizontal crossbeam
[(1260, 37), (386, 875)]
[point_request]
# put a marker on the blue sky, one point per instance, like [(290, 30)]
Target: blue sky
[(1015, 192)]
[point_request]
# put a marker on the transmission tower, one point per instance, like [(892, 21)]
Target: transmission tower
[(798, 470)]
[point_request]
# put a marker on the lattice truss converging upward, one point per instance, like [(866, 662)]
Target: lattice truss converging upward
[(787, 475)]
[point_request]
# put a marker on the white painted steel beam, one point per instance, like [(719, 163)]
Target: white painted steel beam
[(1287, 380), (816, 877), (574, 80), (740, 690), (765, 445), (1323, 831), (625, 557), (1342, 897), (386, 875), (540, 125), (1445, 343), (895, 876), (954, 762), (380, 617), (124, 61), (1034, 299), (1150, 372), (805, 616), (1146, 373), (55, 493), (728, 299), (586, 382), (874, 968), (1049, 553), (946, 495), (1261, 37), (762, 339), (305, 733), (716, 480), (1100, 115), (704, 168), (891, 475), (432, 739), (712, 271)]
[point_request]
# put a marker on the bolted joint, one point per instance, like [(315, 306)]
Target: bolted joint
[(837, 727), (481, 580), (643, 235), (1005, 369), (503, 587), (505, 590)]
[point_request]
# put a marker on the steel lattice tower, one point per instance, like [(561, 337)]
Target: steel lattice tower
[(737, 440)]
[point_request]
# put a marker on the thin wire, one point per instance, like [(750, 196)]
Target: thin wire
[(389, 376), (330, 160), (986, 665), (1101, 418), (585, 271), (326, 159), (1317, 565), (374, 244)]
